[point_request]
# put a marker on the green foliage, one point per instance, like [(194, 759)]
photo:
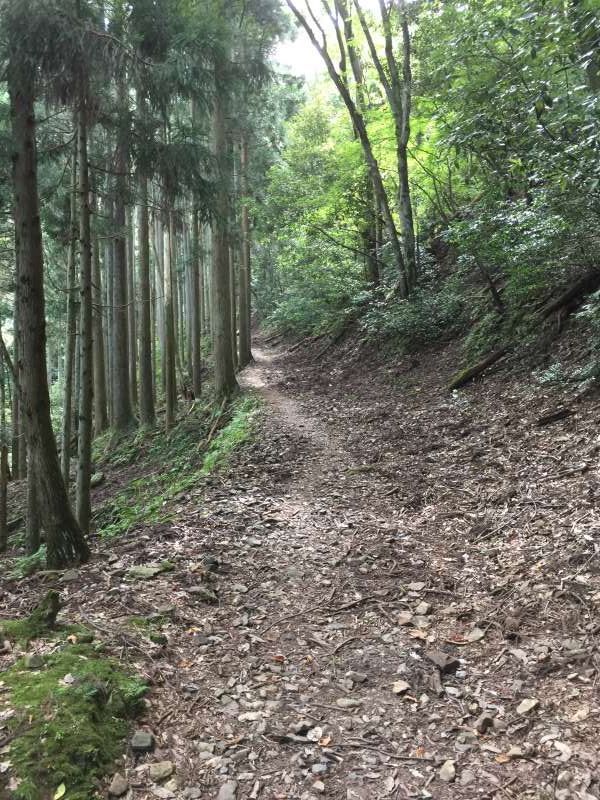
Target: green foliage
[(71, 718), (22, 566), (428, 317), (173, 464), (232, 436), (485, 334)]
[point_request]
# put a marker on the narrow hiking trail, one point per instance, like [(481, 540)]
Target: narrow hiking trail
[(390, 619), (390, 594)]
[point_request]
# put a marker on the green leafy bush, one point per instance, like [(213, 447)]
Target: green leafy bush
[(426, 318)]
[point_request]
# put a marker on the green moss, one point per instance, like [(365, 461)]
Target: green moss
[(41, 620), (232, 436), (72, 718), (23, 566), (177, 464)]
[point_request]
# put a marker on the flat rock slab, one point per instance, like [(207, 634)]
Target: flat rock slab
[(142, 742), (118, 786), (161, 770), (228, 791), (444, 662)]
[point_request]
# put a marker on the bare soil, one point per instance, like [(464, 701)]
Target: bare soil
[(397, 571)]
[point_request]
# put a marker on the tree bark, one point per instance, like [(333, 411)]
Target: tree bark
[(64, 540), (71, 329), (131, 308), (169, 356), (196, 306), (3, 460), (33, 536), (245, 352), (225, 380), (147, 413), (100, 407), (17, 444), (123, 418), (86, 346)]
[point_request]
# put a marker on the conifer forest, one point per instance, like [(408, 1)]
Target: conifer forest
[(299, 399)]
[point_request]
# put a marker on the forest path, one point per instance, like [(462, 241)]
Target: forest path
[(390, 593), (391, 618)]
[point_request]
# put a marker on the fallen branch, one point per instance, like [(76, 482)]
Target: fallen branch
[(553, 416), (589, 283), (467, 375)]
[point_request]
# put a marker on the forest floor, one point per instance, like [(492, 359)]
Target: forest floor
[(392, 592)]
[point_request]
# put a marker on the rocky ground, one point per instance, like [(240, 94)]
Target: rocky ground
[(393, 593)]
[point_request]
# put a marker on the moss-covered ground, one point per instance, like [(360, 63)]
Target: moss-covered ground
[(168, 466), (70, 719)]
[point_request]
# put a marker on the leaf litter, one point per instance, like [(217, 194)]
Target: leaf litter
[(391, 593)]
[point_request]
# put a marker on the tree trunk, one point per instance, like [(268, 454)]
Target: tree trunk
[(3, 461), (109, 274), (245, 352), (131, 308), (225, 380), (169, 356), (365, 141), (17, 444), (86, 347), (147, 415), (65, 542), (100, 409), (32, 525), (196, 306), (123, 418), (233, 286), (67, 419)]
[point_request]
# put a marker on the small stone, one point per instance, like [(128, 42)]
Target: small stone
[(404, 618), (118, 786), (448, 771), (423, 609), (69, 576), (34, 661), (563, 779), (467, 777), (400, 687), (319, 787), (97, 479), (228, 791), (357, 677), (240, 587), (475, 635), (145, 573), (161, 771), (142, 742), (192, 793), (445, 663), (319, 769), (347, 702), (203, 593), (527, 705), (416, 586), (484, 722), (210, 563)]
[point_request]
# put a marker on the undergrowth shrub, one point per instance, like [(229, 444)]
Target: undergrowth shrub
[(429, 316), (171, 465)]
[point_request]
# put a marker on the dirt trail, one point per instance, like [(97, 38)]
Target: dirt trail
[(384, 608), (391, 594)]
